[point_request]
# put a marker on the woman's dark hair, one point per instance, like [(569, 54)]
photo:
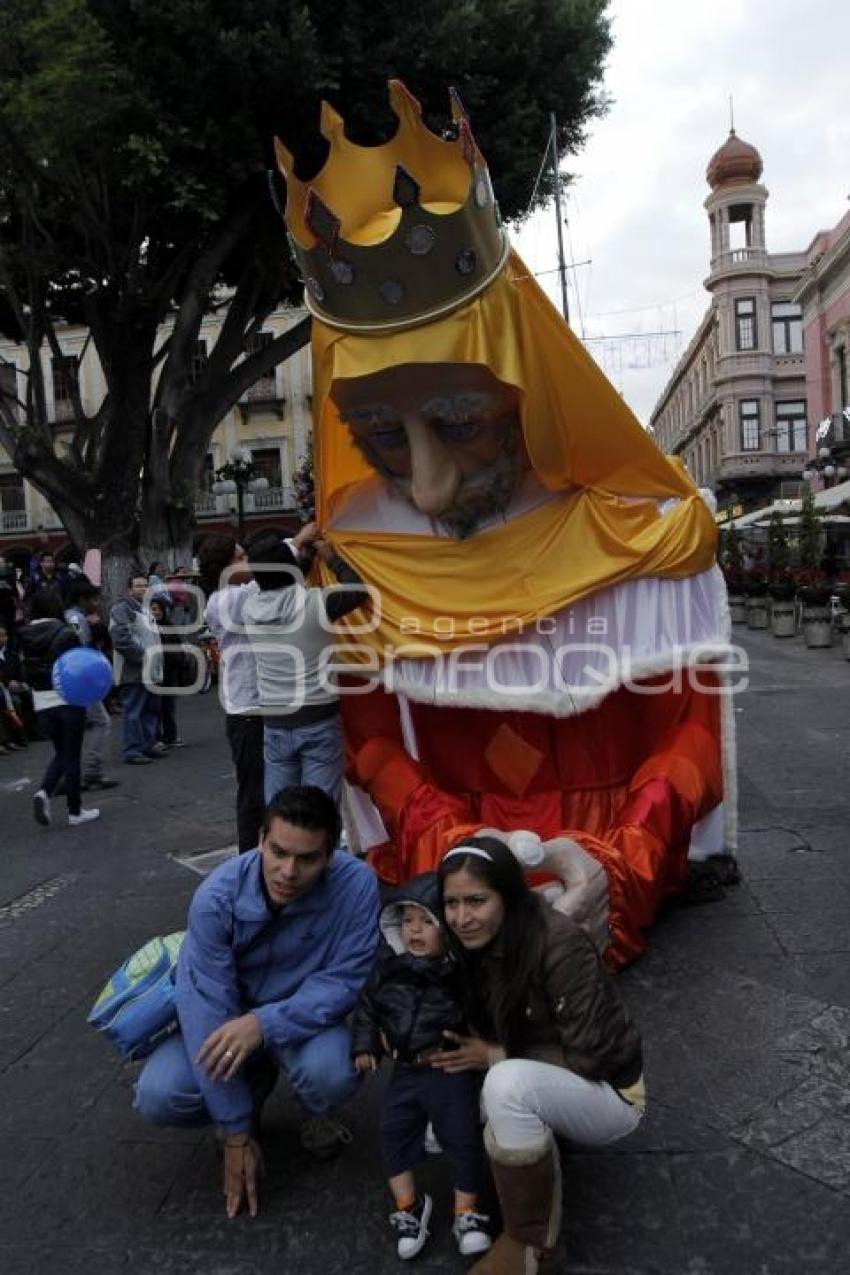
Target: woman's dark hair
[(46, 604), (305, 806), (520, 936), (215, 555)]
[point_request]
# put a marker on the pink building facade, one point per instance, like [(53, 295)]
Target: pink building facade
[(824, 295)]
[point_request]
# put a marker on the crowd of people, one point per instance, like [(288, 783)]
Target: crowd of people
[(50, 610)]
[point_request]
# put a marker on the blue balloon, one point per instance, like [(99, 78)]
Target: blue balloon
[(82, 676)]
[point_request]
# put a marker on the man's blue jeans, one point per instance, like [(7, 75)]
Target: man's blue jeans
[(320, 1070), (140, 715), (304, 755)]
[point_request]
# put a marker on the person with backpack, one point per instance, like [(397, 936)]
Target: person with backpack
[(278, 946), (42, 640)]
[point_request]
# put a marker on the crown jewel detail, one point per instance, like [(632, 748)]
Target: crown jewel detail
[(399, 234)]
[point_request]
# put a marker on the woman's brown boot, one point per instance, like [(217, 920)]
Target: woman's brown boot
[(528, 1182)]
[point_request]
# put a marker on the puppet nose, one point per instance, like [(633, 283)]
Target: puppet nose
[(435, 475)]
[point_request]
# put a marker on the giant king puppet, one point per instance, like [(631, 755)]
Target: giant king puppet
[(545, 654)]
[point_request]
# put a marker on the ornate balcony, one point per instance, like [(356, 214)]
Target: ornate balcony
[(739, 259), (743, 465), (271, 498), (213, 505), (14, 520)]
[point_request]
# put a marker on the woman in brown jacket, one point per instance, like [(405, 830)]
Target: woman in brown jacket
[(561, 1055)]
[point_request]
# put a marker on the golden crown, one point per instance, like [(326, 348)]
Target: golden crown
[(392, 236)]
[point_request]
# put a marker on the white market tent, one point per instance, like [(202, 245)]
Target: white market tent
[(832, 497), (825, 501)]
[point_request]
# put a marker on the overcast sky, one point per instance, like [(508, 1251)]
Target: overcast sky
[(635, 207)]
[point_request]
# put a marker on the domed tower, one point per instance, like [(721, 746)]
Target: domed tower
[(736, 200)]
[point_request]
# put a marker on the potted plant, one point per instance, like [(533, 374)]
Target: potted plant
[(781, 584), (758, 601), (732, 565), (814, 588)]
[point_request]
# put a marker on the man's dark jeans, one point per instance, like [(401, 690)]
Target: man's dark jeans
[(140, 712), (245, 736)]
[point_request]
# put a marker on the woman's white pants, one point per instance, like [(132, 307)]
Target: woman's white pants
[(522, 1099)]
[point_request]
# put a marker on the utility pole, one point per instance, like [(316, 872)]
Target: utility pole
[(562, 269)]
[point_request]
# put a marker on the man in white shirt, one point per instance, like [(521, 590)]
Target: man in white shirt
[(226, 577), (293, 638)]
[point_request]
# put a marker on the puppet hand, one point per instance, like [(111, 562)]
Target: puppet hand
[(581, 891)]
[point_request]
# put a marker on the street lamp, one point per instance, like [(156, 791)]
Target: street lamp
[(823, 465), (239, 475)]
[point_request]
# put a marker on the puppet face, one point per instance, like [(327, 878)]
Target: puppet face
[(446, 436)]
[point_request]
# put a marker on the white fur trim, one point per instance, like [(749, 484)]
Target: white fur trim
[(518, 1155), (570, 702)]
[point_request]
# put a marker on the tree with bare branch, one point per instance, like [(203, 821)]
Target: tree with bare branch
[(137, 195)]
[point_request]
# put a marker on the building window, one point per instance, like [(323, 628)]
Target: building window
[(65, 372), (200, 359), (9, 389), (12, 498), (745, 323), (749, 415), (787, 323), (791, 427), (266, 461), (264, 388), (841, 360)]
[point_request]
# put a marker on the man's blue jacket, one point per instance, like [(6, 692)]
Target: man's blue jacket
[(299, 968)]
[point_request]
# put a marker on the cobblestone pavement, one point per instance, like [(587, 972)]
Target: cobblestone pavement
[(741, 1168)]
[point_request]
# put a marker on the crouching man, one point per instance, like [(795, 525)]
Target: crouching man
[(279, 944)]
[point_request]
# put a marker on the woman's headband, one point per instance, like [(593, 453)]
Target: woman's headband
[(481, 854)]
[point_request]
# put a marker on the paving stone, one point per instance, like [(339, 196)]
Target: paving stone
[(821, 1152), (741, 1213), (95, 1186), (825, 976), (620, 1214), (740, 1167)]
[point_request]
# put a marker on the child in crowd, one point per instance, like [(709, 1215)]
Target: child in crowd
[(409, 1010)]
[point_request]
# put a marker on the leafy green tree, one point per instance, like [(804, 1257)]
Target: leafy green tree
[(810, 534), (730, 554), (778, 548), (135, 182)]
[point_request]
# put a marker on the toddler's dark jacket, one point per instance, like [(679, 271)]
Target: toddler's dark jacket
[(409, 1001)]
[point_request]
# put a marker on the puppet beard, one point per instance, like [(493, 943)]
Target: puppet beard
[(484, 495)]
